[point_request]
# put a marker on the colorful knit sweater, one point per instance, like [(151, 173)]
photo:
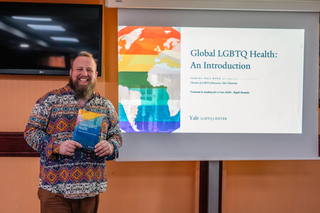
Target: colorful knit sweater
[(51, 122)]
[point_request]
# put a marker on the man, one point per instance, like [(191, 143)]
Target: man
[(71, 178)]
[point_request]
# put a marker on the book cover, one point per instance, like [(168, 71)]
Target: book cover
[(87, 129)]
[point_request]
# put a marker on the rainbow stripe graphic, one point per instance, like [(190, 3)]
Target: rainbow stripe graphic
[(149, 78)]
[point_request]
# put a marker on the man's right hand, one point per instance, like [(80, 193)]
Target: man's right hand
[(67, 147)]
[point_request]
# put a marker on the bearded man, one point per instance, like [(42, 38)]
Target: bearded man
[(71, 178)]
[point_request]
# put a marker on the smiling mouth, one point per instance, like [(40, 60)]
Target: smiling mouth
[(83, 80)]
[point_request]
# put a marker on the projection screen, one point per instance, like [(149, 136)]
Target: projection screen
[(218, 85)]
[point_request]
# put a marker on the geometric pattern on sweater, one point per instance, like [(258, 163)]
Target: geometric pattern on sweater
[(51, 122), (73, 175), (62, 124)]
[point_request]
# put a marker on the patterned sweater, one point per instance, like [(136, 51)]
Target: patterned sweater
[(51, 122)]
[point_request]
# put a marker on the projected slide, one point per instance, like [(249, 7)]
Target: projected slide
[(210, 80)]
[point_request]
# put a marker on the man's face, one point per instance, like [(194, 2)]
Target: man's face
[(83, 77)]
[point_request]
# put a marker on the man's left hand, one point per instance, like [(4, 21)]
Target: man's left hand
[(103, 148)]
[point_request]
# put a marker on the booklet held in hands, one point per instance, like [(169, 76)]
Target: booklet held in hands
[(87, 129)]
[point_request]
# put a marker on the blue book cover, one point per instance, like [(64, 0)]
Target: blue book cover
[(87, 129)]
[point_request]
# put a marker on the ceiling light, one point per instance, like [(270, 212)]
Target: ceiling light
[(46, 27), (24, 45), (65, 39), (31, 18)]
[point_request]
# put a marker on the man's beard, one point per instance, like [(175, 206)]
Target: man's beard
[(82, 92)]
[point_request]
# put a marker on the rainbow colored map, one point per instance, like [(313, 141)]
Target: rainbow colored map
[(149, 79)]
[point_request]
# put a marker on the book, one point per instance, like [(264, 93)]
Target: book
[(87, 129)]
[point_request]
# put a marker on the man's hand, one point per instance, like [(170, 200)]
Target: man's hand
[(67, 147), (103, 148)]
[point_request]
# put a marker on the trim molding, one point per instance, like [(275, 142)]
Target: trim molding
[(12, 144)]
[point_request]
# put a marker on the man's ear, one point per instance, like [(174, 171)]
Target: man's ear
[(70, 72)]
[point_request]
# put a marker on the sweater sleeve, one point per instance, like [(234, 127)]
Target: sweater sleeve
[(36, 130), (114, 133)]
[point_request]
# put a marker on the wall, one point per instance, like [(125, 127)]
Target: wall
[(271, 187), (144, 187), (258, 5), (132, 186)]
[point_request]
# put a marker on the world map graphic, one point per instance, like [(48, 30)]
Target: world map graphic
[(149, 79)]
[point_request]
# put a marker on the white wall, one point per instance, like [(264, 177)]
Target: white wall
[(255, 5)]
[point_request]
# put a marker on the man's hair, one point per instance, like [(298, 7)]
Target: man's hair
[(85, 54)]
